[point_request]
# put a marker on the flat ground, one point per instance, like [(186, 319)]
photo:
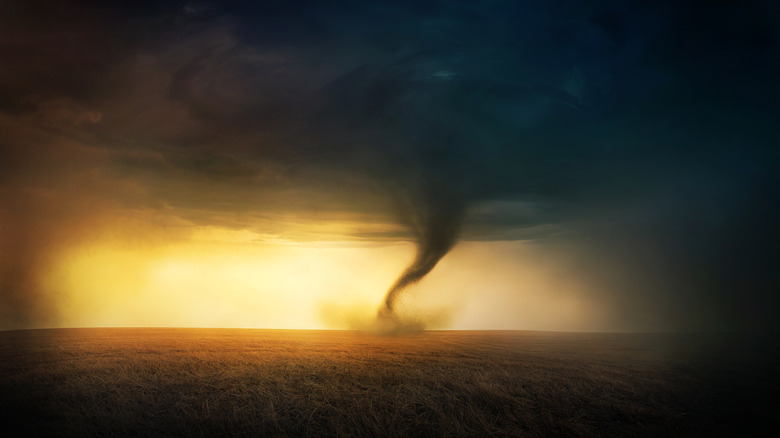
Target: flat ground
[(214, 382)]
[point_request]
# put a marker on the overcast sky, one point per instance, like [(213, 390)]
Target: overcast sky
[(633, 143)]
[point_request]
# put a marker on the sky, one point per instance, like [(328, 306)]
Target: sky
[(544, 165)]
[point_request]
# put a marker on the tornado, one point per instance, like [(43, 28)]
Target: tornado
[(436, 222)]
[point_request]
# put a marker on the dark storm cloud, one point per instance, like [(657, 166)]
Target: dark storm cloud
[(637, 134)]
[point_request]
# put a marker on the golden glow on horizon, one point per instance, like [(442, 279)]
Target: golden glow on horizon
[(227, 278)]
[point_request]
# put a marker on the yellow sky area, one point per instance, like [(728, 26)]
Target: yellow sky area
[(227, 278)]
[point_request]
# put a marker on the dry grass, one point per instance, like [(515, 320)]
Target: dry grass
[(216, 382)]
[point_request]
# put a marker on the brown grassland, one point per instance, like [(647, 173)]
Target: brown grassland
[(233, 382)]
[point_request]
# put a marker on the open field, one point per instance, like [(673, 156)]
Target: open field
[(212, 382)]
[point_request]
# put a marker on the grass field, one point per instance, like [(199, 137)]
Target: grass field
[(220, 382)]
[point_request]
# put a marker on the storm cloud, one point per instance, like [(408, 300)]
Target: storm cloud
[(636, 138)]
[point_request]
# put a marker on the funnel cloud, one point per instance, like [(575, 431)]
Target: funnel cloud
[(435, 222)]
